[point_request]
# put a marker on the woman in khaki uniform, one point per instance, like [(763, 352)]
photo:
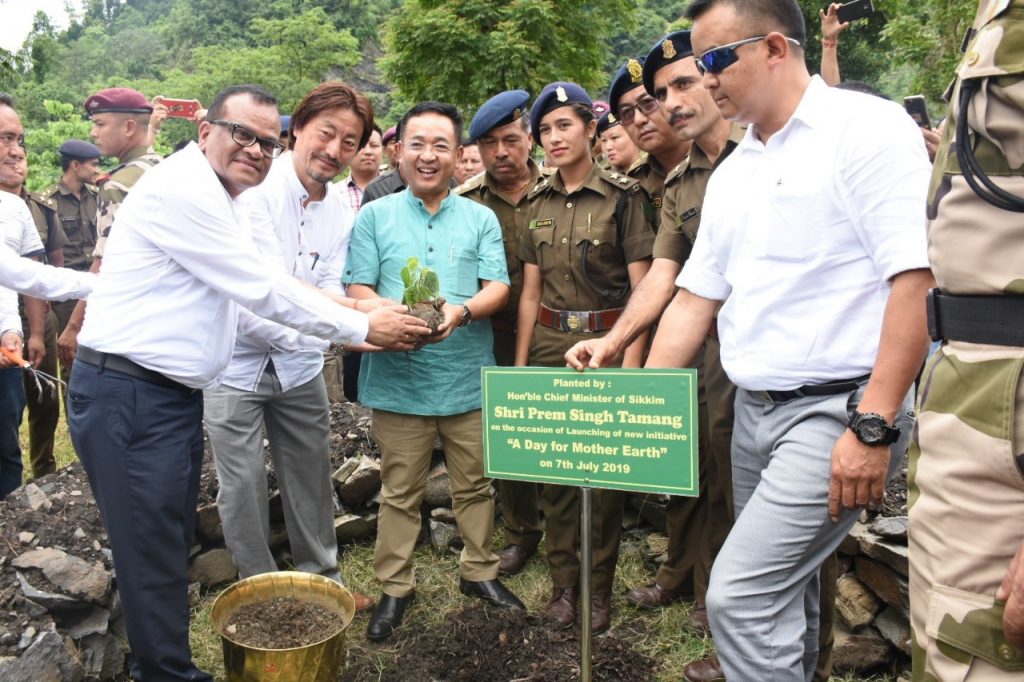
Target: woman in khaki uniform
[(588, 242)]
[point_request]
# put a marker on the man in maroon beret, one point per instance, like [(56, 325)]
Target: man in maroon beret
[(120, 128)]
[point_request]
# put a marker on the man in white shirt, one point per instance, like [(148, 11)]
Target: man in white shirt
[(162, 323), (284, 389), (821, 264)]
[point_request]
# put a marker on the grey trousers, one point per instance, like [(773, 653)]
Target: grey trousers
[(764, 592), (297, 424)]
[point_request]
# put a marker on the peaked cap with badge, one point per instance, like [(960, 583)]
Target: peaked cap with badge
[(554, 96), (628, 77), (502, 109), (671, 48), (79, 150), (609, 120), (118, 101)]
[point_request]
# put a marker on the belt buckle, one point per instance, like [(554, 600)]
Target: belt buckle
[(572, 321)]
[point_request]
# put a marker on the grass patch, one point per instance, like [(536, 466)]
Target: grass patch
[(63, 450)]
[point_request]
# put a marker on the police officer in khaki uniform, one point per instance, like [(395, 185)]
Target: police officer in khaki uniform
[(647, 126), (75, 200), (588, 243), (38, 322), (501, 131), (120, 128), (617, 147), (966, 494)]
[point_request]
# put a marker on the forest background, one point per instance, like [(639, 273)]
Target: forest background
[(403, 51)]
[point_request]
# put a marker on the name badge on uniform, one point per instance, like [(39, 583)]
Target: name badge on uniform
[(688, 215), (546, 222)]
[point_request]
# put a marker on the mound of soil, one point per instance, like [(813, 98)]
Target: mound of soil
[(429, 312), (480, 644), (282, 623)]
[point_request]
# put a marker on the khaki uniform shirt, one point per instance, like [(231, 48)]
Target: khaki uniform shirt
[(684, 196), (78, 219), (652, 177), (582, 250), (513, 219), (44, 214), (114, 187)]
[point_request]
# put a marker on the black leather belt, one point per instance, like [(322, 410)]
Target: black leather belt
[(125, 366), (996, 320), (817, 390)]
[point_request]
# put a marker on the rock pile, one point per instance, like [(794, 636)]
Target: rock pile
[(872, 596)]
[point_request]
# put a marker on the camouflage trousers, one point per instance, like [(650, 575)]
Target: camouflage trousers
[(966, 502)]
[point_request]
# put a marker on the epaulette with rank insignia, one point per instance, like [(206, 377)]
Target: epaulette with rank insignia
[(43, 200), (678, 171), (475, 182), (542, 185)]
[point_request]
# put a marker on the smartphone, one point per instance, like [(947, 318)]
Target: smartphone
[(858, 9), (918, 110), (180, 108)]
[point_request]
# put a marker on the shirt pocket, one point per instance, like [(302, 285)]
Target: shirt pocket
[(802, 209), (543, 239), (466, 266), (602, 260)]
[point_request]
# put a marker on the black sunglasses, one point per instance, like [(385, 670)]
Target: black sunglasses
[(244, 137), (721, 58)]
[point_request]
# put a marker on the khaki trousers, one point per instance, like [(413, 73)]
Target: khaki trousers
[(406, 444)]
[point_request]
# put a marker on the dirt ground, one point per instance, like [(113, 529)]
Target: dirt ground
[(480, 644)]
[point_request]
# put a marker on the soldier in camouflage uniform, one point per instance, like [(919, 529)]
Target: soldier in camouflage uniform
[(967, 468), (645, 124), (501, 131), (120, 128)]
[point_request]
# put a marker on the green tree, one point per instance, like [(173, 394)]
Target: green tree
[(465, 51), (64, 123)]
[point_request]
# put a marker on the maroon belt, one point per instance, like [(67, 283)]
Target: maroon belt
[(579, 321)]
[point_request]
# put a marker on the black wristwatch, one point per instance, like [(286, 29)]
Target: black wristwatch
[(872, 429), (467, 316)]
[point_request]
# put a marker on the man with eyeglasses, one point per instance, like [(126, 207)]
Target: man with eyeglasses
[(647, 126), (434, 392), (819, 267), (185, 272), (120, 128), (282, 388)]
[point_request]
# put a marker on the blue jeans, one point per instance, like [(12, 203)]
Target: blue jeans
[(12, 406)]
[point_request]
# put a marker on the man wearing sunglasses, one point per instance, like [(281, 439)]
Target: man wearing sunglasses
[(182, 275), (819, 267), (120, 128), (647, 126)]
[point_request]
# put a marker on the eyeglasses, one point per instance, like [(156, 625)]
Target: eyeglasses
[(10, 139), (244, 137), (721, 58), (647, 106)]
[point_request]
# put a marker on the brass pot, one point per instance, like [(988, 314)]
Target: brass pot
[(320, 661)]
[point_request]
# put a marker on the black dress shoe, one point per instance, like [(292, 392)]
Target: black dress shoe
[(387, 616), (492, 592)]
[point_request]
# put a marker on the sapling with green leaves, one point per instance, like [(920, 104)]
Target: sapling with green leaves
[(423, 293)]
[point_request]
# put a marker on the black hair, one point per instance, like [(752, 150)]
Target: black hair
[(763, 16), (431, 107), (259, 94), (860, 86), (6, 100)]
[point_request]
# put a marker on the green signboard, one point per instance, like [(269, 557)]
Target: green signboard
[(626, 429)]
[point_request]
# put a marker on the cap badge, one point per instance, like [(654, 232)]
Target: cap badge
[(560, 94), (611, 118), (516, 113), (668, 49), (636, 71)]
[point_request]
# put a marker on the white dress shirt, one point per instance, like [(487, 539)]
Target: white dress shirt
[(311, 243), (178, 266), (18, 237), (801, 236)]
